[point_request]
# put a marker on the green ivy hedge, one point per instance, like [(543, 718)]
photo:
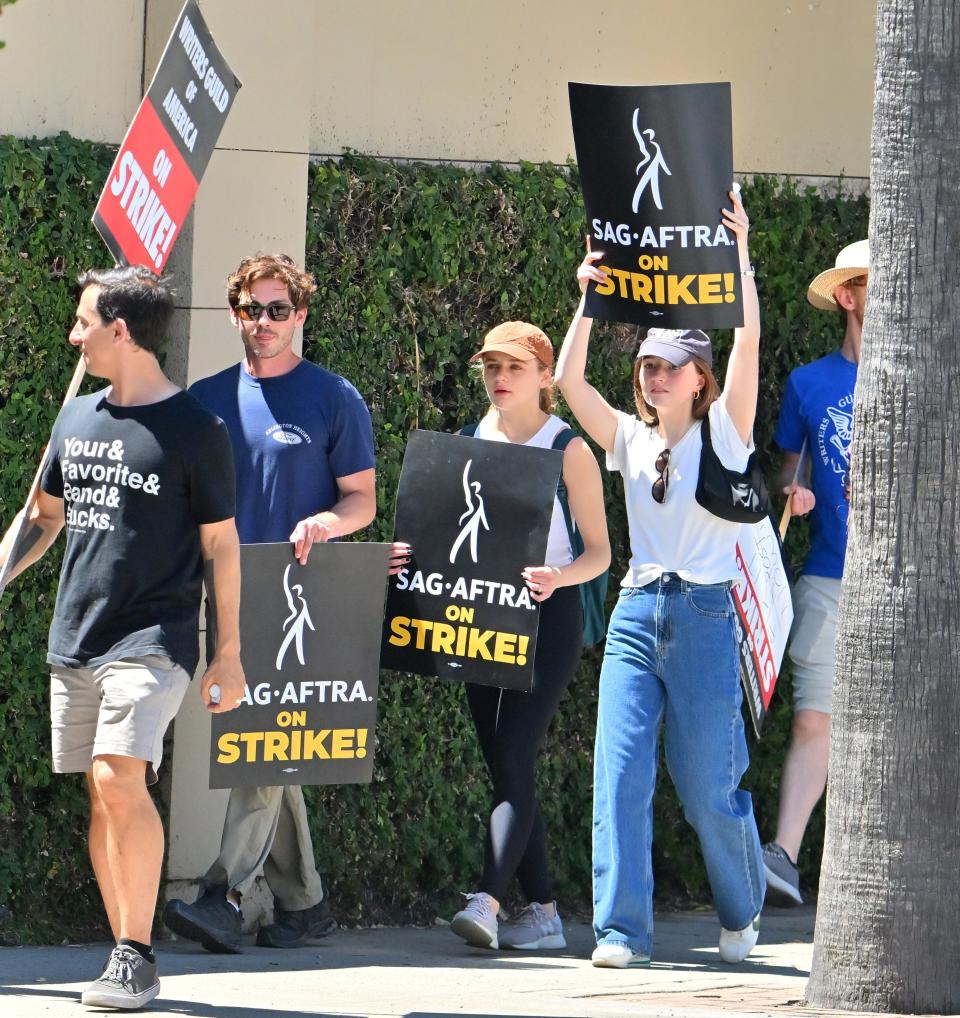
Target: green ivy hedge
[(414, 263)]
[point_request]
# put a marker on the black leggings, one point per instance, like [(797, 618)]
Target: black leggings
[(511, 727)]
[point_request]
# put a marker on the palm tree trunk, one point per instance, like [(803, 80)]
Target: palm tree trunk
[(889, 909)]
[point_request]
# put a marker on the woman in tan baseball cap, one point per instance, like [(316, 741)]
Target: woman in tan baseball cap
[(516, 361), (671, 652)]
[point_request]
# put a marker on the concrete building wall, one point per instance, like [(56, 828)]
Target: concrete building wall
[(71, 65), (473, 80), (486, 79)]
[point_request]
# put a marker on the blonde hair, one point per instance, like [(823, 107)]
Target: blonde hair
[(708, 394), (547, 393)]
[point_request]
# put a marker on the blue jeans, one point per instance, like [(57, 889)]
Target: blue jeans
[(671, 655)]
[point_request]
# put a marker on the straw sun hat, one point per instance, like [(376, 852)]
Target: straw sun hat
[(853, 261)]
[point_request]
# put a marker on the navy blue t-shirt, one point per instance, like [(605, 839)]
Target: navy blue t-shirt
[(292, 437), (818, 406)]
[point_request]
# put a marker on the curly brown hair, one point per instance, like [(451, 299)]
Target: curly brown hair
[(300, 284)]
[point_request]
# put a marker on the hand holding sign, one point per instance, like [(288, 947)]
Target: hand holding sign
[(542, 581), (589, 271), (313, 530), (736, 218)]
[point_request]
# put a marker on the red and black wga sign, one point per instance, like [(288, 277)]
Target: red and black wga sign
[(157, 171)]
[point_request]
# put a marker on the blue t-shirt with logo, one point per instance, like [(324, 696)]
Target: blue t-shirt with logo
[(292, 437), (818, 406)]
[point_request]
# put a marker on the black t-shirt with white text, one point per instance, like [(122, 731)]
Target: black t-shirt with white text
[(137, 482)]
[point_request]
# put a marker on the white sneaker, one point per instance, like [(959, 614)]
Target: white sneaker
[(477, 922), (618, 956), (533, 930), (735, 945)]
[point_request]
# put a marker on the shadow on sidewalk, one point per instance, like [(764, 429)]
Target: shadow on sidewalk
[(685, 943)]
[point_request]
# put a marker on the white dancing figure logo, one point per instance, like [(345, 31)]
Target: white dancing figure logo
[(472, 519), (651, 165), (298, 618)]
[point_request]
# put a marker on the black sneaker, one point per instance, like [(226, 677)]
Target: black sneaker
[(294, 929), (783, 877), (211, 920), (129, 981)]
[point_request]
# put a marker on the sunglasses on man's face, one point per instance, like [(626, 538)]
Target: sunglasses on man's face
[(277, 311)]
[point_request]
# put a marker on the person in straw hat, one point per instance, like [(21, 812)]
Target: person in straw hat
[(816, 415)]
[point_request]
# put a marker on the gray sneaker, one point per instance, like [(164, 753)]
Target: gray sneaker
[(783, 877), (129, 981), (533, 930), (476, 922)]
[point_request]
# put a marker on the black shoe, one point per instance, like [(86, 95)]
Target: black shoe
[(211, 920), (128, 982), (783, 877), (294, 929)]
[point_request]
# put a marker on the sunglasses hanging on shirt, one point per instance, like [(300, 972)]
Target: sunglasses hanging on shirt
[(659, 488)]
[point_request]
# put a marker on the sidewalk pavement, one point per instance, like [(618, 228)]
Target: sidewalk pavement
[(429, 973)]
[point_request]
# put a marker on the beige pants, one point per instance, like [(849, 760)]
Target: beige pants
[(267, 827)]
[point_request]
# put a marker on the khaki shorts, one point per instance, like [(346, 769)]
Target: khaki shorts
[(816, 600), (121, 708)]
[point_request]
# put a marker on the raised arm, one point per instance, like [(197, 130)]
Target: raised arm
[(43, 525), (594, 414), (740, 388), (220, 548)]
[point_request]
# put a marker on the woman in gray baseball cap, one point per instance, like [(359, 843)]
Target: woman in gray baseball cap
[(671, 652)]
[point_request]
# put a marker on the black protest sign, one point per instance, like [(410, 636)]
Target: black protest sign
[(475, 513), (310, 638), (656, 166), (155, 176)]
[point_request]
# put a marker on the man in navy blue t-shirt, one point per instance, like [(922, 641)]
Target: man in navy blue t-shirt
[(816, 421), (303, 450)]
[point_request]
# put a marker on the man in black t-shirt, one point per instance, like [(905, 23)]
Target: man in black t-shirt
[(141, 477)]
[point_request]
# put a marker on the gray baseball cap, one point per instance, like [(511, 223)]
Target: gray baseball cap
[(677, 346)]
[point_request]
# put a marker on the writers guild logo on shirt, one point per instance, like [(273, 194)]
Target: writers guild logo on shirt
[(843, 427), (650, 165), (472, 519), (295, 623)]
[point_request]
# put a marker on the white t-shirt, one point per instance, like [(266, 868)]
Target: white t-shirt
[(678, 536), (558, 543)]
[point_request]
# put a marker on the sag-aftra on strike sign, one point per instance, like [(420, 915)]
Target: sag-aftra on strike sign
[(656, 166), (157, 171)]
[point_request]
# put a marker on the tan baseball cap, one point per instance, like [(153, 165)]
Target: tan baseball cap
[(518, 339)]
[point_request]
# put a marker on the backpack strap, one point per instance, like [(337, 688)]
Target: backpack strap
[(560, 442)]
